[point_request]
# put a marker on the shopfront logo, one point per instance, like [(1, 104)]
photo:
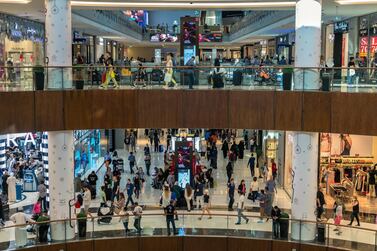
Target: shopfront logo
[(27, 137)]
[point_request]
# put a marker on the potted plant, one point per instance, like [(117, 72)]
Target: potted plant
[(284, 225), (43, 227), (287, 78), (38, 77), (81, 223), (78, 78)]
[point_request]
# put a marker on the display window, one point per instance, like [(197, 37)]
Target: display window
[(347, 167)]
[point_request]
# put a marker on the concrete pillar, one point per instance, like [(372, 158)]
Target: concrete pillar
[(61, 175), (308, 44), (214, 54), (305, 153), (59, 43)]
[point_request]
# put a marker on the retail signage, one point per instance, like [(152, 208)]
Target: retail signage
[(363, 32), (341, 27), (283, 40), (28, 138), (364, 45)]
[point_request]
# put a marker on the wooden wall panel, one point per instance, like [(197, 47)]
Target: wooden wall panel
[(25, 249), (284, 246), (205, 243), (52, 247), (246, 244), (205, 108), (251, 109), (288, 111), (161, 244), (49, 111), (316, 111), (126, 244), (17, 112), (80, 246), (78, 109), (114, 109), (354, 113), (309, 247), (160, 109)]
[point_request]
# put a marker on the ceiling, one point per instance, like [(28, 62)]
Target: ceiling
[(331, 12)]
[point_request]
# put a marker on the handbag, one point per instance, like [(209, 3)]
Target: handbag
[(250, 196)]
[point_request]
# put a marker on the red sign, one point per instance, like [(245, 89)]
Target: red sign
[(364, 45)]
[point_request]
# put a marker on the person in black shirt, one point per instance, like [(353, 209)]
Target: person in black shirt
[(170, 212), (231, 189), (320, 202), (355, 211), (275, 215), (229, 170), (92, 179)]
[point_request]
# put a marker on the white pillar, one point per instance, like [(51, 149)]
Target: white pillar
[(61, 175), (214, 54), (59, 42), (308, 44), (304, 172)]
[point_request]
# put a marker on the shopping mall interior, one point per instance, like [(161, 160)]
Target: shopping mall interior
[(188, 125)]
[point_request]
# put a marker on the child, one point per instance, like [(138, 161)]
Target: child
[(206, 205), (140, 75), (110, 75), (338, 208), (124, 217)]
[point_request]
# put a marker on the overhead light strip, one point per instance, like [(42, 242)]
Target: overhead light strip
[(183, 4), (15, 1), (358, 2)]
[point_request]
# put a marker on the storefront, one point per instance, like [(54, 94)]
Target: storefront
[(285, 47), (21, 45), (90, 148), (347, 167), (86, 45)]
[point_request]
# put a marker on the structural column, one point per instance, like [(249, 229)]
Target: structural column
[(61, 188), (305, 153), (59, 43), (308, 44)]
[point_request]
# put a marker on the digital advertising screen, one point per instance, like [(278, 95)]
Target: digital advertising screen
[(189, 33), (188, 53), (210, 37), (184, 177), (164, 38), (138, 16)]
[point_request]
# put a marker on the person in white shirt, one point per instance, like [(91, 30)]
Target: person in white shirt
[(87, 199), (254, 188), (138, 211), (20, 219), (11, 181), (240, 208)]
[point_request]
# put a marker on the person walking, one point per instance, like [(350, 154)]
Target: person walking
[(137, 186), (251, 165), (355, 211), (138, 211), (169, 78), (87, 200), (133, 142), (254, 189), (191, 72), (241, 149), (124, 218), (147, 160), (240, 208), (170, 213), (188, 196), (225, 148), (132, 161), (92, 178), (320, 203), (275, 215), (262, 205), (242, 188), (130, 191), (199, 190), (42, 194), (206, 205), (229, 170), (274, 169), (231, 189), (156, 142), (338, 208)]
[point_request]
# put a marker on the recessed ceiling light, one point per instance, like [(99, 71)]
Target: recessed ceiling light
[(350, 2), (16, 1), (218, 5)]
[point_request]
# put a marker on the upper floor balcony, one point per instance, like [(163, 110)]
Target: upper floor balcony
[(242, 98)]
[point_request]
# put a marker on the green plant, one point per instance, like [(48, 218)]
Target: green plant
[(288, 70), (43, 218), (81, 216)]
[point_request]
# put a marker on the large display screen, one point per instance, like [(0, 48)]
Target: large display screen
[(161, 37), (210, 37), (138, 16), (184, 177), (188, 53), (189, 33)]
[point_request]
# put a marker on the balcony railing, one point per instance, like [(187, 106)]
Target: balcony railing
[(323, 234), (149, 75)]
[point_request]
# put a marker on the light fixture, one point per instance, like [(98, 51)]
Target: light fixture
[(219, 5), (351, 2), (16, 1)]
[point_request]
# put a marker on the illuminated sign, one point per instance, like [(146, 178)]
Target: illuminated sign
[(364, 46), (28, 137)]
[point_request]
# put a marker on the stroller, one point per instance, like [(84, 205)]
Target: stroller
[(105, 213)]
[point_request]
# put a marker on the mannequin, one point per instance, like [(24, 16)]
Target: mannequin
[(372, 181), (11, 181)]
